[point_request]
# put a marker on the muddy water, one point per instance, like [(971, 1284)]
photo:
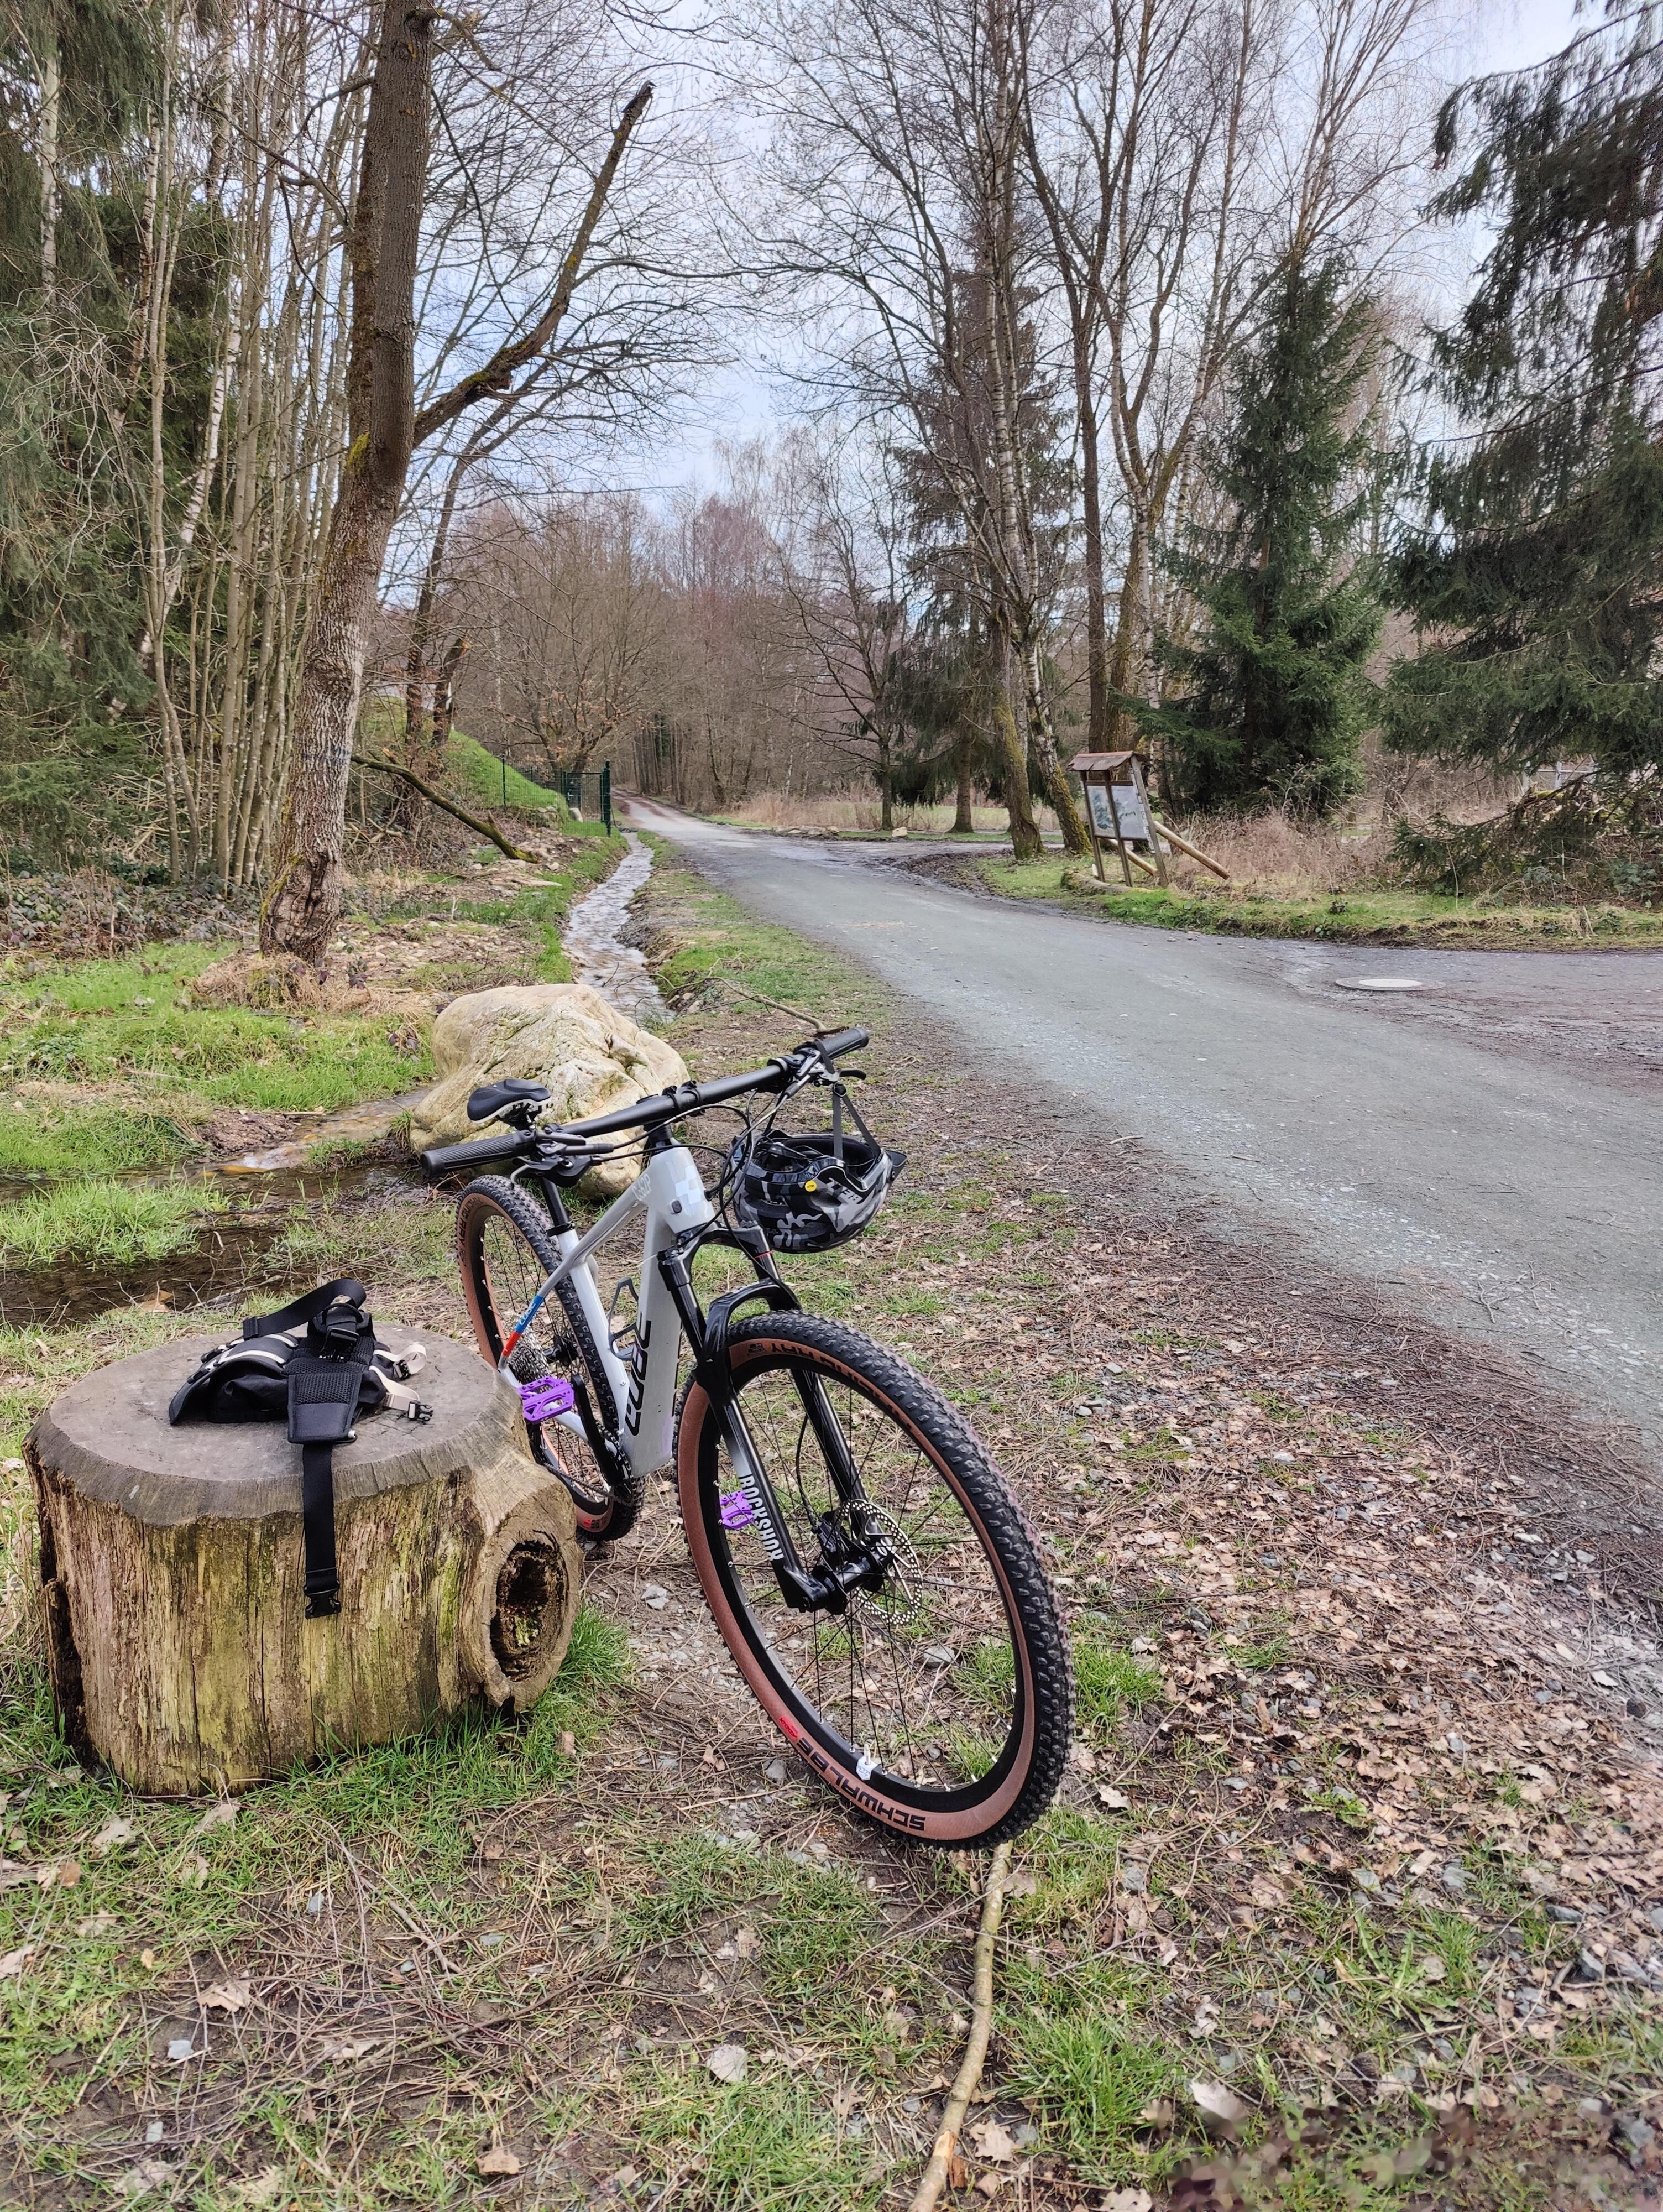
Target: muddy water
[(233, 1254), (355, 1125)]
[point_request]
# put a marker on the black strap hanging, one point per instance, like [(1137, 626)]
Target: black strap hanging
[(317, 1360), (326, 1378)]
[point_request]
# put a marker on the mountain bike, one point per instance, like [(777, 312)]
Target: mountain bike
[(864, 1562)]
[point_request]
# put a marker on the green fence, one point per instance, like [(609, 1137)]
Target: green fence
[(588, 793)]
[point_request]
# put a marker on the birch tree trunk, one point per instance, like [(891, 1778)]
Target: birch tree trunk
[(303, 902), (51, 93)]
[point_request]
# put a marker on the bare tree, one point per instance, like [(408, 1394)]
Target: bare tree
[(303, 900), (899, 160), (569, 595), (844, 574), (1177, 150)]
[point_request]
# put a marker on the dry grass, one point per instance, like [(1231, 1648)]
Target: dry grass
[(1276, 856), (858, 812)]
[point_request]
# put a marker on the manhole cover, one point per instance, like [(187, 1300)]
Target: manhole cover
[(1382, 983)]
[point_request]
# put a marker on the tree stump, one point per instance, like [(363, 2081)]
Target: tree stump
[(172, 1574)]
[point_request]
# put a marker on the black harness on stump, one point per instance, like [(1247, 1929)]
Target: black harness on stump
[(317, 1360)]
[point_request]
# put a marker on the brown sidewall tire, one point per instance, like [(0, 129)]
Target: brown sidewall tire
[(1046, 1707)]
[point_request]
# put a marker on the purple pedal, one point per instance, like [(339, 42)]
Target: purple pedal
[(738, 1512), (549, 1395)]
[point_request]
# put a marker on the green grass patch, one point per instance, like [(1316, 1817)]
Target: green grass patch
[(1090, 2077), (221, 1055), (1107, 1680), (720, 941), (483, 777), (131, 1021), (1073, 1858), (37, 1363), (817, 1933), (388, 1245), (115, 1222), (766, 2145), (407, 1812), (1270, 1650), (680, 1882), (1373, 917), (36, 1138)]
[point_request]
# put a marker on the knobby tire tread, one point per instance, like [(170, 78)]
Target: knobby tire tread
[(1002, 1519)]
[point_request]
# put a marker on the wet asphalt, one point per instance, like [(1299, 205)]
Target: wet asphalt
[(1486, 1150)]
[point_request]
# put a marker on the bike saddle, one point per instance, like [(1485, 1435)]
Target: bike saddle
[(493, 1100)]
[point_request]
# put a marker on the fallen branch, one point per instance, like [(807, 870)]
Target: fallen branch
[(796, 1013), (1184, 845), (419, 783), (975, 2047)]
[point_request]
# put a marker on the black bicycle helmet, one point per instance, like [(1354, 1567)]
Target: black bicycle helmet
[(803, 1195)]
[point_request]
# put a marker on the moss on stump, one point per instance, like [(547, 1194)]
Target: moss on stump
[(172, 1574)]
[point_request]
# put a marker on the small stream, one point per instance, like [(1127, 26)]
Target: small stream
[(270, 1188), (593, 944)]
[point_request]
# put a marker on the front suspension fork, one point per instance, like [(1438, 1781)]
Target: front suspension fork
[(826, 1587)]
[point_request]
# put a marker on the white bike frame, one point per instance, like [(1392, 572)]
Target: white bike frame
[(671, 1193)]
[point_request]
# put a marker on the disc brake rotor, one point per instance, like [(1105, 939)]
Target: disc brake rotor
[(898, 1605)]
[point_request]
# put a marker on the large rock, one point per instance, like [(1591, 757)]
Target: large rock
[(592, 1058)]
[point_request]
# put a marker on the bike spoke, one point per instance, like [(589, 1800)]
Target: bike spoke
[(917, 1675)]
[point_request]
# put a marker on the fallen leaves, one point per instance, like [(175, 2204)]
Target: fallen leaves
[(498, 2160), (728, 2063), (112, 1836), (341, 2050), (14, 1962), (227, 1996), (1220, 2108), (262, 2188), (994, 2143)]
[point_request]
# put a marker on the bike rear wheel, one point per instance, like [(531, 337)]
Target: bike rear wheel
[(940, 1703), (508, 1250)]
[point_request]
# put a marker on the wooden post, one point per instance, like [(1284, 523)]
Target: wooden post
[(1142, 790), (1091, 824), (171, 1574), (1119, 834)]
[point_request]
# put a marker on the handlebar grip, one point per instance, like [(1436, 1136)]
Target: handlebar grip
[(440, 1158), (842, 1041)]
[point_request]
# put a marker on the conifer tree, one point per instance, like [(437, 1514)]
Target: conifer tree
[(1539, 566), (1271, 692)]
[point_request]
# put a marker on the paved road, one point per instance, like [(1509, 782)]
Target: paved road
[(1489, 1150)]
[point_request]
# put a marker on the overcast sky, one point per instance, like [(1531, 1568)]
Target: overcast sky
[(1499, 34)]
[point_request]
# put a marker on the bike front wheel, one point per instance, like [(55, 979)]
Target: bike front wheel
[(939, 1702)]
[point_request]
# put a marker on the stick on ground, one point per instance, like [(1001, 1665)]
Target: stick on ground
[(975, 2047)]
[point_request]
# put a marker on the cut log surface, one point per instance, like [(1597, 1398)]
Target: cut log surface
[(172, 1574)]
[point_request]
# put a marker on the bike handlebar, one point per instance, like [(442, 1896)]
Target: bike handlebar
[(439, 1158), (650, 1113)]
